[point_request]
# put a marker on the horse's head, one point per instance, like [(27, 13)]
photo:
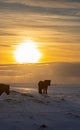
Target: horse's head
[(47, 82)]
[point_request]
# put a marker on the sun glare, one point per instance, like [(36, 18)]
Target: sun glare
[(27, 52)]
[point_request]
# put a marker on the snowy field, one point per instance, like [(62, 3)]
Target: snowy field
[(25, 109)]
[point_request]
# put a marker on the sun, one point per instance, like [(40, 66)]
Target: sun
[(27, 52)]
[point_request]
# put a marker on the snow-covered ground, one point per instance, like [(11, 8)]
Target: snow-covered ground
[(25, 109)]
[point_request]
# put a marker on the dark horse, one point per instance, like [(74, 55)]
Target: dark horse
[(4, 88), (43, 86)]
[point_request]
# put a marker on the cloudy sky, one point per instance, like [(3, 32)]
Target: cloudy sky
[(53, 24), (58, 73)]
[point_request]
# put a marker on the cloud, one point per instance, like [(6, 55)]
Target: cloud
[(5, 45), (57, 72), (21, 7), (47, 21), (48, 3), (40, 7), (4, 33), (41, 14), (68, 70)]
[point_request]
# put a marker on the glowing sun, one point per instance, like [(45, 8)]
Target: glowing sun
[(27, 52)]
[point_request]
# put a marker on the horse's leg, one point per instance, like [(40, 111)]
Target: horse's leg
[(7, 91), (46, 90), (40, 90), (1, 93)]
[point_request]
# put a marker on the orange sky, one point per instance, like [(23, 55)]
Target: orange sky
[(54, 26)]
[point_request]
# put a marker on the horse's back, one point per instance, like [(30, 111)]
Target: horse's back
[(47, 82), (4, 88), (40, 83), (44, 83)]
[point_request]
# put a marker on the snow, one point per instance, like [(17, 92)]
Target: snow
[(25, 109)]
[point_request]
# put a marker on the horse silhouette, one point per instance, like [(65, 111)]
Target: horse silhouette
[(43, 86), (4, 88)]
